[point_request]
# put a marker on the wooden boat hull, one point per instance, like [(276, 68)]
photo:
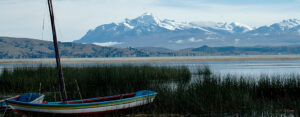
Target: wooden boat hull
[(3, 103), (30, 98), (141, 98)]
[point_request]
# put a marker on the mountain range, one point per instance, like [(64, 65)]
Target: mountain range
[(18, 48), (149, 31)]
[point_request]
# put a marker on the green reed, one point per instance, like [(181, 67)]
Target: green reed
[(207, 94), (92, 81), (212, 94)]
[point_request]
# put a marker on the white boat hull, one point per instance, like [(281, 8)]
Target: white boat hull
[(88, 110)]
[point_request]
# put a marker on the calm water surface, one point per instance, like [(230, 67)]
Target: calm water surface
[(253, 68), (250, 68)]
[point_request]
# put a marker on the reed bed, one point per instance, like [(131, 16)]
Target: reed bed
[(210, 94), (92, 81)]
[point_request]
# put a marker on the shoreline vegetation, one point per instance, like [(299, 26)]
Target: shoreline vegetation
[(209, 94), (157, 59)]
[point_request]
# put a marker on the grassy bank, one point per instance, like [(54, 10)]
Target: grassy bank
[(208, 95)]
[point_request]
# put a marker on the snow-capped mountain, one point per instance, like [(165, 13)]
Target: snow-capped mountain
[(283, 26), (287, 24), (233, 27), (148, 23), (150, 31)]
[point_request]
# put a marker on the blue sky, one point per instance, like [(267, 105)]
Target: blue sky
[(24, 18), (176, 3)]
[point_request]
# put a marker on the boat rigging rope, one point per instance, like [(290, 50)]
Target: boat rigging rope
[(44, 15), (78, 89), (43, 28), (5, 111)]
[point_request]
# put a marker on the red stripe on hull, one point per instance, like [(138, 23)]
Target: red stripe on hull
[(102, 99)]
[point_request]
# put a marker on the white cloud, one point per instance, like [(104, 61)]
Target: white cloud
[(210, 38), (195, 40), (236, 41), (76, 17), (179, 41), (108, 43)]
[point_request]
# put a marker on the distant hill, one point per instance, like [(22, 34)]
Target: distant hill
[(149, 31), (231, 50), (158, 51), (32, 48)]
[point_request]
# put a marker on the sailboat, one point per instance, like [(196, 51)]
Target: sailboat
[(84, 106)]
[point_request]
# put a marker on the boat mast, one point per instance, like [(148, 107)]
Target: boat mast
[(60, 73)]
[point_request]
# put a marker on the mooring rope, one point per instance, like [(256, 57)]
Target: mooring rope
[(5, 111)]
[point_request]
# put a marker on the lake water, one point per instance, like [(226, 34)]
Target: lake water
[(253, 68), (248, 68)]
